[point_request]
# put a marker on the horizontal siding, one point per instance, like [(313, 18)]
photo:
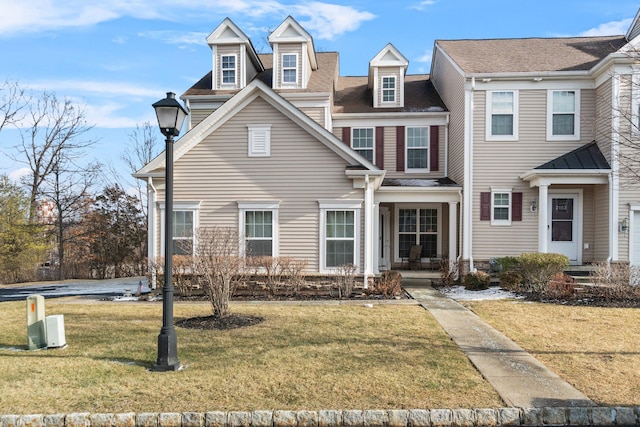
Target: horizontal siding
[(299, 172), (600, 244), (284, 48), (228, 50), (389, 72), (199, 115), (317, 114), (603, 118)]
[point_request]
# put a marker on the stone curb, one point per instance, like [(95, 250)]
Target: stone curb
[(489, 417)]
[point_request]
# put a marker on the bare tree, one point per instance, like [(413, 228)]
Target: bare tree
[(12, 103), (55, 135), (144, 147), (218, 264)]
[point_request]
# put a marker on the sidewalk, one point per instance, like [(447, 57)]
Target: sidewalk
[(520, 379)]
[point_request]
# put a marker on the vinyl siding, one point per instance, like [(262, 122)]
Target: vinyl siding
[(228, 50), (198, 115), (389, 72), (285, 48), (499, 164), (603, 118), (600, 243), (315, 113), (299, 172)]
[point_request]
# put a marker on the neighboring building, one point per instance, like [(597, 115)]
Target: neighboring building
[(509, 146)]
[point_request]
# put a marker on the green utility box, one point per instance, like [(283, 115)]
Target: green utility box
[(36, 328)]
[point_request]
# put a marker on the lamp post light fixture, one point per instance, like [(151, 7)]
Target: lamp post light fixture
[(171, 115)]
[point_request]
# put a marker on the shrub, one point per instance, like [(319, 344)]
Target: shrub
[(507, 263), (561, 286), (346, 280), (511, 281), (295, 272), (388, 284), (477, 281), (616, 281), (538, 268), (448, 273)]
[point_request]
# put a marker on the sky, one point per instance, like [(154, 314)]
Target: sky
[(117, 57)]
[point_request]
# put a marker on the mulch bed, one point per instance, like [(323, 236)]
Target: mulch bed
[(233, 321)]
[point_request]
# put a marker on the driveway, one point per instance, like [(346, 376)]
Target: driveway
[(89, 288)]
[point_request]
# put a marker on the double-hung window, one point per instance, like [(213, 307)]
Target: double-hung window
[(289, 68), (362, 142), (502, 116), (184, 226), (259, 228), (228, 67), (389, 89), (501, 207), (563, 115), (417, 147), (339, 229)]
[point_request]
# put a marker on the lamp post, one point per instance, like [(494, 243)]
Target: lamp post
[(170, 115)]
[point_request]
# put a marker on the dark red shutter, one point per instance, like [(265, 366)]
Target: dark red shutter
[(380, 147), (400, 148), (434, 149), (346, 136), (485, 206), (516, 206)]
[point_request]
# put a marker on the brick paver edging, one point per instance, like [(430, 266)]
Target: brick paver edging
[(548, 416)]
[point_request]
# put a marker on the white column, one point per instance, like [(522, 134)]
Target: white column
[(368, 231), (453, 235), (375, 239), (543, 220)]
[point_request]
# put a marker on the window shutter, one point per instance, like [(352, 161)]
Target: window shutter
[(400, 148), (516, 206), (380, 147), (434, 148), (346, 136), (485, 206)]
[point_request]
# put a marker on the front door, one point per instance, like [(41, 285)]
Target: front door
[(563, 227)]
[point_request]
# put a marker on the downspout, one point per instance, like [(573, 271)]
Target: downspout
[(614, 177), (446, 147), (368, 232), (151, 230), (468, 180)]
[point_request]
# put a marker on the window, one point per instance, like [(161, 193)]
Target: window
[(563, 115), (259, 227), (289, 68), (501, 207), (339, 228), (362, 142), (259, 144), (389, 89), (185, 223), (417, 147), (418, 227), (502, 116), (228, 69)]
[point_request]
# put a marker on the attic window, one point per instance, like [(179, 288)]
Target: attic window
[(228, 66), (290, 68), (389, 89), (259, 144)]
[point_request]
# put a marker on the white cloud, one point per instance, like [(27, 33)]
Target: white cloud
[(426, 57), (17, 174), (176, 37), (423, 5), (609, 28), (330, 20), (89, 87)]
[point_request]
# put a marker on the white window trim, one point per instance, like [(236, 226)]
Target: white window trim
[(339, 205), (296, 68), (254, 132), (395, 90), (489, 109), (260, 205), (576, 117), (501, 222), (179, 206), (373, 136), (414, 206), (406, 151), (235, 70)]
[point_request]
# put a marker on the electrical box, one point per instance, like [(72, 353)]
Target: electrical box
[(55, 331), (36, 328)]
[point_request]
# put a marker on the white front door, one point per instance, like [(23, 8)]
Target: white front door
[(563, 226), (384, 240)]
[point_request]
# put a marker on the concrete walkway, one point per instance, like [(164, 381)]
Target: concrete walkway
[(520, 380)]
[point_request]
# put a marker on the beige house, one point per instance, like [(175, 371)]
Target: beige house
[(509, 146)]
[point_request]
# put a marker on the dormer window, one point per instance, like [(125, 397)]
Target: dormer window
[(289, 68), (228, 66), (389, 89)]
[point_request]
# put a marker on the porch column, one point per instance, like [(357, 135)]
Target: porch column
[(543, 220), (368, 231), (375, 238), (453, 235)]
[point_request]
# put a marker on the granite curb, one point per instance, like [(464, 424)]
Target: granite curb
[(488, 417)]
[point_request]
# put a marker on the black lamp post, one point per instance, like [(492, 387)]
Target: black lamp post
[(171, 115)]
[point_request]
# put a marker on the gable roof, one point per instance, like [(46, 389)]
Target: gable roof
[(587, 156), (531, 54), (229, 33), (289, 31), (234, 105)]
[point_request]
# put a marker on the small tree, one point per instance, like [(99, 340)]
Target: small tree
[(218, 265), (346, 279)]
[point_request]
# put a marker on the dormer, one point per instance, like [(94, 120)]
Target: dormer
[(386, 78), (294, 57), (235, 62)]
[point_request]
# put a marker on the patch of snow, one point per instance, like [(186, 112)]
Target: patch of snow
[(459, 293)]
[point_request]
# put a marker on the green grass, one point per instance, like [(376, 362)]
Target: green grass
[(301, 357)]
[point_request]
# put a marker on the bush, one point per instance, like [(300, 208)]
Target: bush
[(511, 281), (507, 263), (388, 284), (476, 281), (448, 273), (538, 268), (346, 280), (561, 286)]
